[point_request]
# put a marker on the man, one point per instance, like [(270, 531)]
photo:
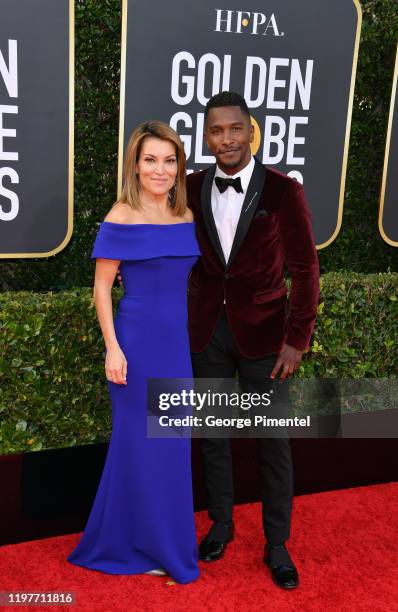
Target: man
[(251, 223)]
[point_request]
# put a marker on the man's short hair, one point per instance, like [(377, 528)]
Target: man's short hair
[(227, 98)]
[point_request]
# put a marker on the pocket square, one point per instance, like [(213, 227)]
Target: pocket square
[(261, 213)]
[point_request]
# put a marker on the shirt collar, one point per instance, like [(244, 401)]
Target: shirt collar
[(244, 174)]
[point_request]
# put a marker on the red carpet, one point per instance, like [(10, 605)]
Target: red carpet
[(345, 544)]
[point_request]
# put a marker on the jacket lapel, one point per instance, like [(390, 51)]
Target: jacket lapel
[(253, 194), (208, 213)]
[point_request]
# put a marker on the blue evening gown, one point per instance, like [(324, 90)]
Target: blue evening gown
[(142, 517)]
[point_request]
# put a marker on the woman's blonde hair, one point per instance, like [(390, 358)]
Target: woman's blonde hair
[(131, 185)]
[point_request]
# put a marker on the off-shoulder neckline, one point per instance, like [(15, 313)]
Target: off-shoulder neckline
[(147, 224)]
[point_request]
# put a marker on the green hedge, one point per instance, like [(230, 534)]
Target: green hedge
[(53, 390), (358, 247)]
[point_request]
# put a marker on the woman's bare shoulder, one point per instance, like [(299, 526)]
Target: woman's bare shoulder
[(120, 213), (188, 215)]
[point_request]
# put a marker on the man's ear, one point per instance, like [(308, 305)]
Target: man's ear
[(251, 133)]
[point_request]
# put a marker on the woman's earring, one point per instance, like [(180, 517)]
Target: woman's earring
[(172, 194)]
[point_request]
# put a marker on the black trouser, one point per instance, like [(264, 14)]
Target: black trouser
[(221, 359)]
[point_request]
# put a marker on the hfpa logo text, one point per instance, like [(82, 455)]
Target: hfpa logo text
[(239, 22)]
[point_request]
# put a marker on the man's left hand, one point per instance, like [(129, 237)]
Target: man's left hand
[(289, 360)]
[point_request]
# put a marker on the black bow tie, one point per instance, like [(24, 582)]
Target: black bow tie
[(224, 183)]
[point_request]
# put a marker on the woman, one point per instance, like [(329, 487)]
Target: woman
[(142, 519)]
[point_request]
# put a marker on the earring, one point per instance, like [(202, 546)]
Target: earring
[(172, 194)]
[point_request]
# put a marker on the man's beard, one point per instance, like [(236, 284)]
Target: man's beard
[(231, 164)]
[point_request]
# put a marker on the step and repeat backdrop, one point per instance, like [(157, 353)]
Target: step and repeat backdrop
[(294, 62), (281, 56), (36, 126)]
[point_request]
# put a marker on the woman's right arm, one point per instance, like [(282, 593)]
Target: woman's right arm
[(115, 361)]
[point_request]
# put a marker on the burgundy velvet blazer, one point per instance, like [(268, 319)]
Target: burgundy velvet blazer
[(274, 232)]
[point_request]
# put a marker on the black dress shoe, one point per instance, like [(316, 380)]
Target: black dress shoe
[(213, 546), (283, 571)]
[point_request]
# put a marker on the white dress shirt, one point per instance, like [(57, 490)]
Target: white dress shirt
[(227, 206)]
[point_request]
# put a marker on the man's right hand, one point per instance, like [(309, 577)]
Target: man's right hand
[(119, 278)]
